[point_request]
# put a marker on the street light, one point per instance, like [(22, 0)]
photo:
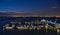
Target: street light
[(58, 31), (46, 27)]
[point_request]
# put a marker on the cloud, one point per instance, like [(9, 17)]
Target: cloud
[(54, 7)]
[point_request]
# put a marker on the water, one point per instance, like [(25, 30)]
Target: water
[(5, 20)]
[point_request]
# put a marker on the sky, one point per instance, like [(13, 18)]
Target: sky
[(40, 6)]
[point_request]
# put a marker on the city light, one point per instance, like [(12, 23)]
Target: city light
[(36, 25), (58, 31), (46, 27)]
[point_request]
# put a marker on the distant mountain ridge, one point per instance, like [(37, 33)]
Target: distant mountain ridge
[(18, 14)]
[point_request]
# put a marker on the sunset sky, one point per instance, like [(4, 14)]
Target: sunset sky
[(40, 6)]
